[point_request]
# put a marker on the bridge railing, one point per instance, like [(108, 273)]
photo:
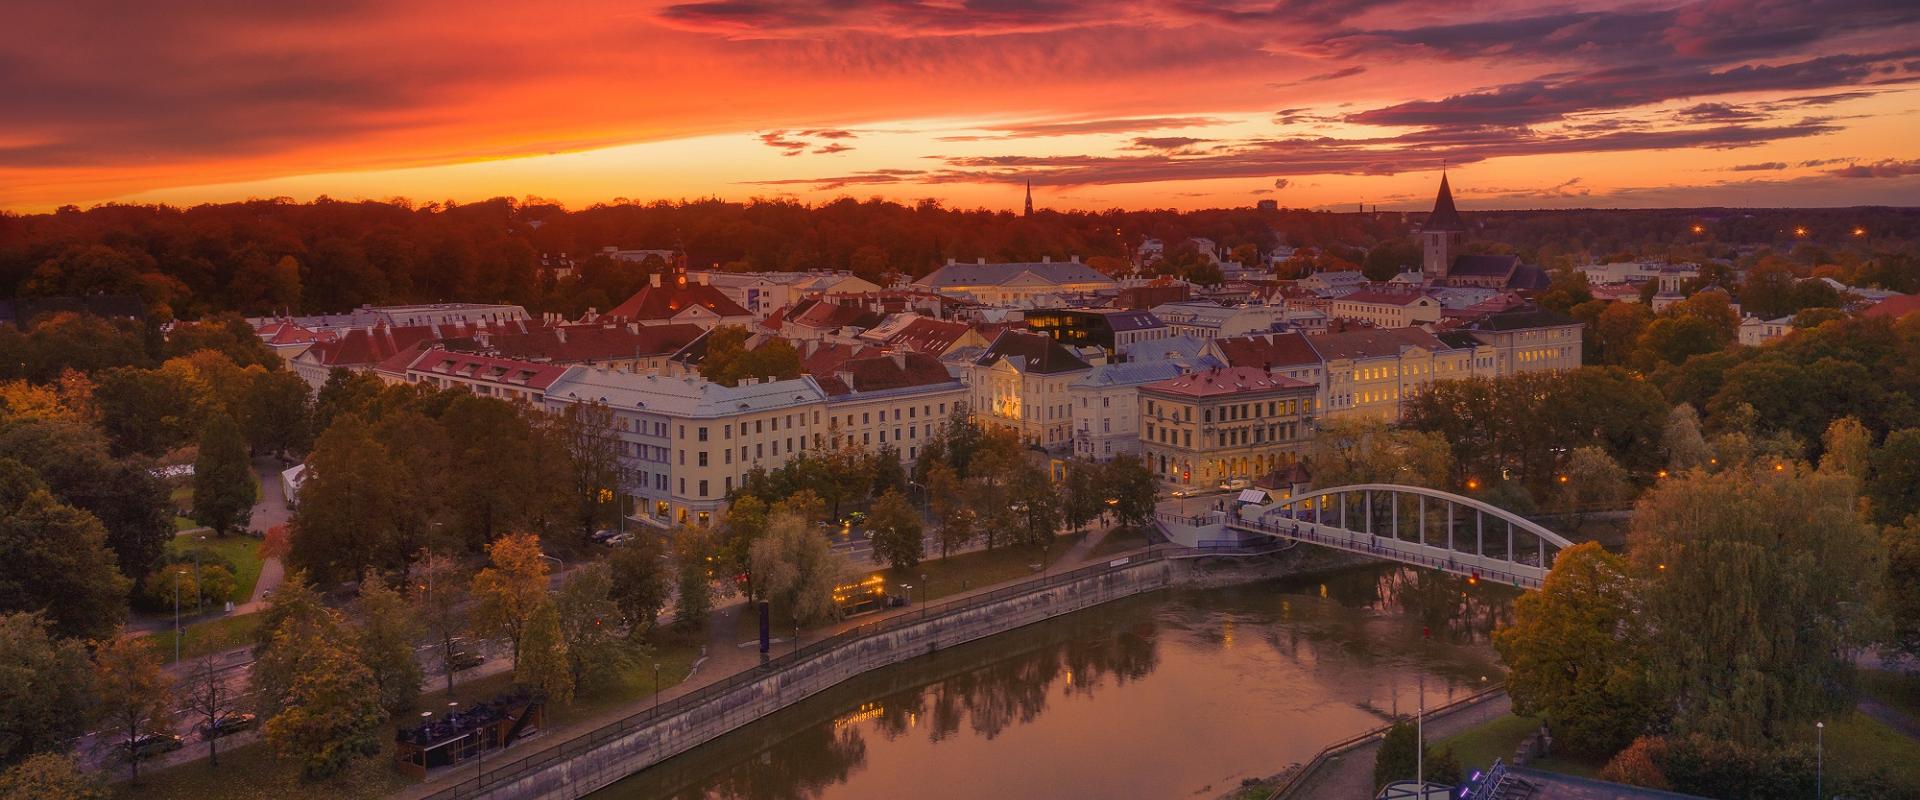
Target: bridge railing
[(1310, 532)]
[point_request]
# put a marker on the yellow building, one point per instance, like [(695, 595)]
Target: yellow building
[(1222, 424)]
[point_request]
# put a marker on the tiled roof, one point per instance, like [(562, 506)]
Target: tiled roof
[(1384, 297), (669, 299), (370, 346), (886, 372), (1132, 373), (822, 314), (1482, 266), (1171, 347), (959, 274), (585, 343), (925, 335), (691, 397), (1267, 350), (1522, 319), (1230, 380), (1894, 307), (1374, 343), (509, 371), (1031, 352)]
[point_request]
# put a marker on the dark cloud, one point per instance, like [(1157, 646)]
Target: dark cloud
[(1320, 78), (1889, 168), (830, 149), (1089, 126), (1167, 143), (1719, 112), (1281, 183), (821, 141), (1822, 162), (1763, 166)]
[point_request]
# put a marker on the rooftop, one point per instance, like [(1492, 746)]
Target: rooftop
[(1225, 381), (690, 397)]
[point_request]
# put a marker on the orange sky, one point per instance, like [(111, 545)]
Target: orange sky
[(1164, 103)]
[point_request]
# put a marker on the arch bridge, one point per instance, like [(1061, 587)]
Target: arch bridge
[(1409, 524)]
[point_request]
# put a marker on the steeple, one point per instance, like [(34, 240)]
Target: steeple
[(1029, 198), (1444, 217)]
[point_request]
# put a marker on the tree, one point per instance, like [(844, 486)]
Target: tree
[(276, 411), (1756, 577), (798, 569), (1685, 448), (385, 630), (1369, 452), (1894, 489), (1396, 760), (134, 696), (728, 358), (222, 477), (588, 620), (345, 522), (207, 694), (1036, 504), (1847, 448), (1902, 602), (944, 499), (693, 576), (74, 461), (508, 591), (593, 453), (146, 411), (1591, 479), (545, 668), (56, 559), (331, 714), (440, 602), (51, 776), (1133, 488), (43, 679), (641, 583), (1576, 652), (1086, 497), (746, 523), (897, 535)]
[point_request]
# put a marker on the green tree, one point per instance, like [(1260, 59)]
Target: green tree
[(1132, 486), (897, 535), (51, 776), (1591, 479), (593, 455), (588, 619), (439, 601), (1085, 496), (74, 461), (43, 680), (57, 559), (1846, 448), (345, 521), (1756, 578), (545, 668), (277, 411), (1685, 448), (641, 580), (385, 630), (729, 358), (345, 392), (146, 411), (1577, 653), (331, 714), (1396, 759), (693, 549), (510, 589), (1893, 491), (798, 569), (133, 695), (746, 523), (1035, 504), (222, 477), (1902, 601)]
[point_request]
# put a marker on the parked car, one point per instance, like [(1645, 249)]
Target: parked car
[(229, 723), (149, 745), (604, 534), (617, 539), (1182, 492), (1233, 483), (466, 659)]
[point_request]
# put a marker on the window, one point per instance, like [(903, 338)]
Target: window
[(866, 418), (703, 458), (683, 458), (703, 435), (759, 451), (683, 485), (703, 488), (729, 484), (726, 431), (727, 455)]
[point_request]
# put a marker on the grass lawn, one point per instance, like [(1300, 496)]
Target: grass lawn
[(1119, 541), (240, 550), (1898, 690), (969, 571), (1478, 746), (1858, 745), (207, 636)]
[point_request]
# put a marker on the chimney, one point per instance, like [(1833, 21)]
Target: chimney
[(949, 262), (899, 359), (981, 260), (633, 327), (1075, 258), (846, 378), (1046, 259), (654, 280), (560, 335)]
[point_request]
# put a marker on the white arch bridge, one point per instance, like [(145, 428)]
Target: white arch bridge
[(1409, 524)]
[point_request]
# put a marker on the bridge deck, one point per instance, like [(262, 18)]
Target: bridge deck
[(1515, 573)]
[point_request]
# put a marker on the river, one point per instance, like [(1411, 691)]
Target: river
[(1175, 694)]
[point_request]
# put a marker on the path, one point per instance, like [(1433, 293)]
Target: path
[(268, 514), (1350, 775)]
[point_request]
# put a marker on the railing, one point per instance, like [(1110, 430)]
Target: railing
[(510, 771), (1311, 534), (1300, 777)]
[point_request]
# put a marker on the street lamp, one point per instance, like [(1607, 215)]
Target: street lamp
[(177, 575), (1819, 760), (656, 686)]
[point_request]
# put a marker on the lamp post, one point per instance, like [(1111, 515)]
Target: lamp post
[(1819, 760), (176, 615), (656, 687)]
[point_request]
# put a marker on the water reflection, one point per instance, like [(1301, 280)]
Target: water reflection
[(1169, 694)]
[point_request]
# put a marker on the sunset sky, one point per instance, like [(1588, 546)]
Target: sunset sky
[(1131, 103)]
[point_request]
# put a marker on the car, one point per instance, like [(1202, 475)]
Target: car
[(148, 745), (617, 539), (228, 723), (604, 534), (1233, 483), (1181, 492), (466, 659)]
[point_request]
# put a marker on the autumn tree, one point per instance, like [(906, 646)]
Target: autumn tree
[(729, 358), (593, 455), (508, 591), (1591, 479), (51, 776), (1133, 489), (949, 508), (1370, 452), (439, 601), (43, 679), (222, 477), (207, 695), (1084, 494), (331, 714), (56, 559), (1577, 653), (1846, 448), (1685, 447), (798, 569), (642, 583), (134, 696), (1756, 578), (345, 521), (746, 523), (545, 667), (896, 531), (588, 618), (276, 411), (385, 629), (1894, 488)]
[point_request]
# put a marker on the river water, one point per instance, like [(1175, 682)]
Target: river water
[(1175, 694)]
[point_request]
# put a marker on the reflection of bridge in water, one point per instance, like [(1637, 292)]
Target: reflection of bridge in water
[(1408, 524)]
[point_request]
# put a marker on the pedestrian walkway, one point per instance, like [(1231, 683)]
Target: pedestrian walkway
[(1349, 776)]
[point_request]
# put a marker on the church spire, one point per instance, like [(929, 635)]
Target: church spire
[(1444, 217), (1029, 198)]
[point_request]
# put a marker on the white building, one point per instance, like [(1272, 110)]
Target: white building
[(1210, 321), (1388, 309), (1021, 384), (1755, 331), (1106, 406)]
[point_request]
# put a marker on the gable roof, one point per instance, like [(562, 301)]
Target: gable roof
[(1230, 380), (581, 343), (510, 371), (1374, 343), (822, 314), (370, 346), (927, 335), (879, 373), (959, 274), (1483, 266), (1521, 319), (1894, 307), (1031, 352), (1133, 373), (669, 299), (1377, 297), (1267, 350)]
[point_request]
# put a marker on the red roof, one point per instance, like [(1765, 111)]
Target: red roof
[(507, 371), (588, 343), (828, 356), (368, 346), (1267, 350), (881, 372), (927, 335), (821, 314), (667, 300), (1231, 380), (1894, 307), (285, 332)]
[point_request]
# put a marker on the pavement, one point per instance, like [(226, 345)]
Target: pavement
[(1349, 776)]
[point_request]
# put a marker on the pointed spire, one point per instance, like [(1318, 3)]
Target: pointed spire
[(1029, 198), (1444, 217)]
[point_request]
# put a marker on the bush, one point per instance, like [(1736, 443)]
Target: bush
[(1640, 764)]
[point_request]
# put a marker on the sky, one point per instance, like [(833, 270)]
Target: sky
[(1096, 103)]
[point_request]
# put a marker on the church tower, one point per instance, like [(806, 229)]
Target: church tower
[(1029, 198), (1442, 236)]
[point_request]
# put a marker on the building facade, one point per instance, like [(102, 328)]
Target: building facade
[(1217, 425), (1021, 383)]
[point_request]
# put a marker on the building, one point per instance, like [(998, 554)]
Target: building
[(686, 442), (629, 347), (1529, 340), (1017, 283), (363, 349), (1211, 321), (934, 337), (762, 293), (1894, 307), (1110, 329), (1444, 260), (816, 319), (487, 376), (1755, 331), (1332, 283), (1021, 383), (1384, 309), (1369, 374), (1288, 354), (1222, 424), (896, 400), (1106, 405), (679, 299)]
